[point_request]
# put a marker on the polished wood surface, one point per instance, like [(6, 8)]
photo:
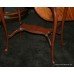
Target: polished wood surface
[(32, 29), (70, 13), (46, 13), (37, 29)]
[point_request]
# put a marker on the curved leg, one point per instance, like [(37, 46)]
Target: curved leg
[(63, 20), (19, 18), (5, 29), (54, 35), (49, 40), (14, 32)]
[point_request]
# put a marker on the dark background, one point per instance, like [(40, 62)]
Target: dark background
[(33, 50)]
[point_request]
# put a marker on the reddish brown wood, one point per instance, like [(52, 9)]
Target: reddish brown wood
[(54, 35), (14, 13), (2, 17), (48, 14), (55, 26), (43, 31), (19, 18), (32, 29), (44, 12), (69, 16), (38, 30), (62, 26), (5, 28)]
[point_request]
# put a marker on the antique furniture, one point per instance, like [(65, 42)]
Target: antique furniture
[(12, 13), (38, 29), (69, 16), (60, 10)]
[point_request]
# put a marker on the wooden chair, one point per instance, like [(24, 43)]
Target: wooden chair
[(38, 29), (12, 13), (6, 15)]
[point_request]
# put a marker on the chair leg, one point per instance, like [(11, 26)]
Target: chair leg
[(14, 32), (19, 17), (6, 43), (54, 36), (52, 41), (49, 41), (62, 28), (5, 29)]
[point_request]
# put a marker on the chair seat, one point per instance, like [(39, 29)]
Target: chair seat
[(36, 29), (44, 12)]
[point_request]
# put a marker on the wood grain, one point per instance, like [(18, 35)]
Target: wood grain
[(46, 14)]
